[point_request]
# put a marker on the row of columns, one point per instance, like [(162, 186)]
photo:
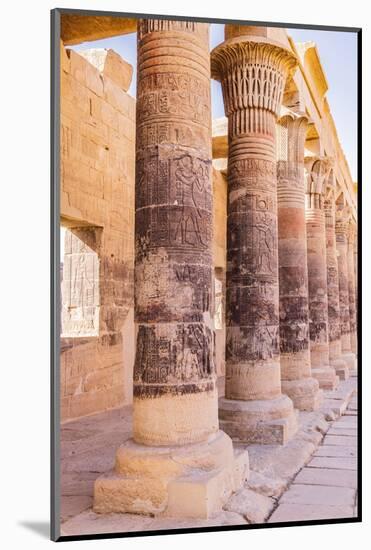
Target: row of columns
[(290, 312)]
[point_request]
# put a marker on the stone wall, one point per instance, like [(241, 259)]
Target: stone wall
[(97, 208)]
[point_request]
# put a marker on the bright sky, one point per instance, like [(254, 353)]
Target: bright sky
[(338, 53)]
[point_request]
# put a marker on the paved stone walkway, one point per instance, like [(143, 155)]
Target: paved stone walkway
[(313, 476), (327, 486)]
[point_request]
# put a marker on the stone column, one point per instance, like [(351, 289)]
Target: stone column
[(341, 229), (252, 70), (296, 377), (178, 462), (317, 170), (356, 273), (351, 287), (334, 324)]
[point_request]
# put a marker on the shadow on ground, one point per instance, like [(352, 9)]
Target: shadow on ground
[(41, 528)]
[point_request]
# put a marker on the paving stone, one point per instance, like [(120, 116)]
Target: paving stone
[(350, 431), (336, 450), (303, 512), (73, 505), (338, 463), (265, 485), (324, 476), (319, 494), (340, 440), (251, 505)]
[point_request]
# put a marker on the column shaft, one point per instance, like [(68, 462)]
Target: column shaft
[(175, 418), (351, 288), (334, 323), (254, 409), (316, 174), (341, 228), (296, 378)]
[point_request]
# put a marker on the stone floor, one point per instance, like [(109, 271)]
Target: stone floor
[(312, 477)]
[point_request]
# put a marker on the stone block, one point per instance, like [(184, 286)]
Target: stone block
[(191, 481), (340, 440), (264, 485), (253, 506), (111, 65), (325, 476), (336, 450), (339, 463), (320, 495), (267, 422), (307, 512)]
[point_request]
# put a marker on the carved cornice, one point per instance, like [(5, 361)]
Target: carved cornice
[(252, 71)]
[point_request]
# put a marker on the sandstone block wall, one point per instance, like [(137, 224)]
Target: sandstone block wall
[(97, 207)]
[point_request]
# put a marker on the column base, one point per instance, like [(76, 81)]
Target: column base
[(190, 481), (304, 393), (327, 378), (341, 368), (267, 422), (350, 360)]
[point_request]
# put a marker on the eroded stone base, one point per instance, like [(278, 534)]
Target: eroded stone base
[(327, 378), (266, 422), (305, 393), (192, 481), (350, 360), (341, 368)]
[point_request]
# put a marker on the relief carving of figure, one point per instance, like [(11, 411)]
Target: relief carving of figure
[(264, 248), (190, 183)]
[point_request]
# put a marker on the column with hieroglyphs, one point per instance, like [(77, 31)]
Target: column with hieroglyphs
[(178, 463), (252, 69), (351, 287), (342, 215), (334, 323), (296, 377), (316, 171)]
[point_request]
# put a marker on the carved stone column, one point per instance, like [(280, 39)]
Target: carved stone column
[(341, 229), (252, 70), (351, 287), (317, 170), (296, 377), (178, 462), (356, 273), (334, 324)]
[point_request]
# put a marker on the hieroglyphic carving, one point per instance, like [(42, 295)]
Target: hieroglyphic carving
[(173, 227), (80, 289), (342, 216), (252, 75)]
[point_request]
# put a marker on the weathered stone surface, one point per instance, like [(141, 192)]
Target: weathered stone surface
[(317, 171), (97, 211), (270, 487), (178, 463), (111, 65), (174, 372), (296, 378), (341, 229), (251, 505), (351, 287), (252, 301), (336, 450), (320, 494), (326, 476), (306, 512), (334, 323), (85, 28)]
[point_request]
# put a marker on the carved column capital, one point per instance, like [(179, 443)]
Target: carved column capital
[(291, 130), (342, 216), (253, 72), (317, 170)]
